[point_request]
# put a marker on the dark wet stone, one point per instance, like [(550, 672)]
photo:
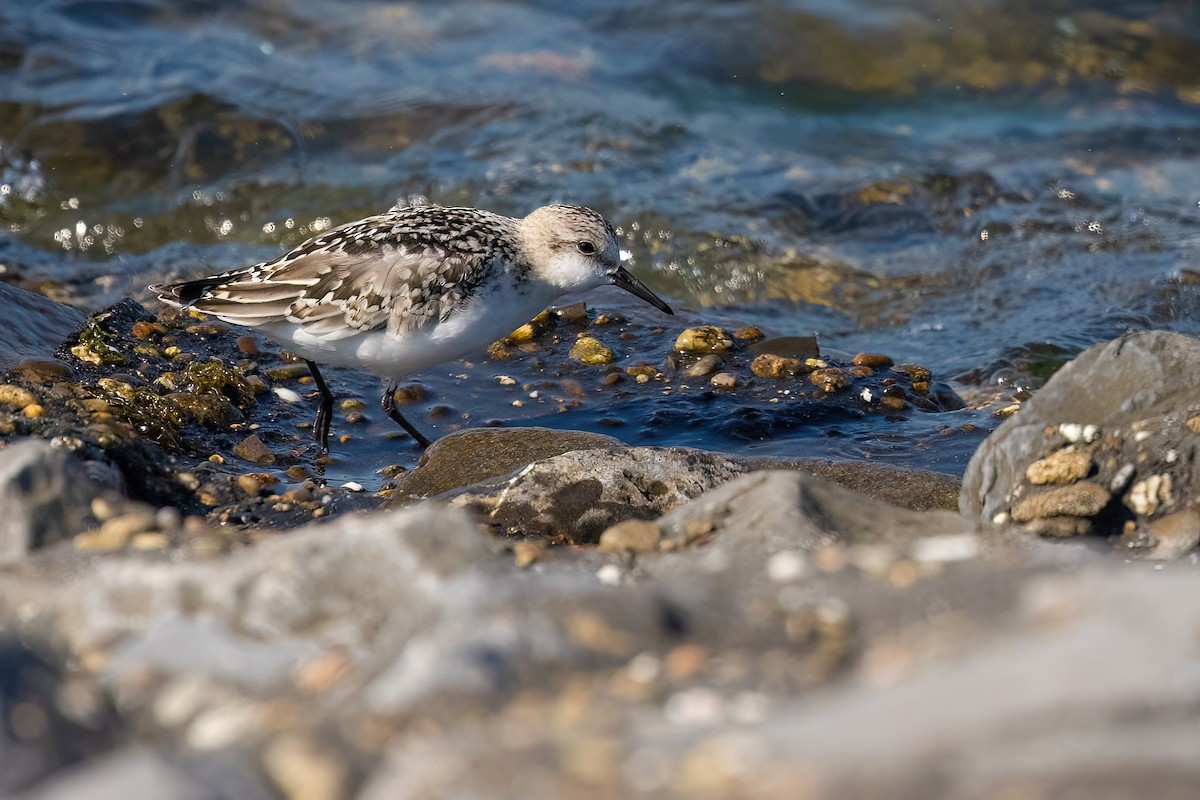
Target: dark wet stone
[(799, 347)]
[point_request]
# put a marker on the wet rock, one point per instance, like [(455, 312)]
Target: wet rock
[(1111, 423), (798, 347), (702, 366), (577, 495), (830, 379), (704, 339), (46, 497), (873, 360), (589, 350), (1064, 466), (253, 448), (769, 365), (476, 454), (794, 511), (34, 325), (724, 380), (633, 535)]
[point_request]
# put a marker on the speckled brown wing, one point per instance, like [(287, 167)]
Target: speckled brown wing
[(337, 293)]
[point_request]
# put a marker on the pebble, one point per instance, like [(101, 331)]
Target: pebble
[(248, 345), (636, 535), (1063, 466), (769, 365), (589, 350), (703, 366), (750, 333), (704, 339), (410, 393), (252, 448), (1074, 500), (224, 726), (724, 380), (830, 379), (1148, 495), (15, 396), (574, 314), (304, 770), (872, 360), (42, 370)]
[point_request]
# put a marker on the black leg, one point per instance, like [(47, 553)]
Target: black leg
[(324, 408), (389, 407)]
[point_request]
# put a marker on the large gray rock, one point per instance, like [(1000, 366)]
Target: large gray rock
[(46, 495), (1111, 439), (575, 496)]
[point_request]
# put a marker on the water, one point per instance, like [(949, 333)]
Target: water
[(983, 187)]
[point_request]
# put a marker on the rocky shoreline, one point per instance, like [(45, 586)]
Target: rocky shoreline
[(540, 613)]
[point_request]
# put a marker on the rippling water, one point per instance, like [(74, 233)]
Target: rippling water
[(985, 187)]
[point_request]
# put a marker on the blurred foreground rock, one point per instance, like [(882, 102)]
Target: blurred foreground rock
[(567, 617)]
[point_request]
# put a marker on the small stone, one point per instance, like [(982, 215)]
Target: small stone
[(634, 535), (14, 396), (42, 370), (750, 333), (612, 378), (589, 350), (499, 351), (798, 347), (303, 769), (1194, 424), (703, 366), (150, 541), (573, 388), (724, 380), (249, 484), (1061, 527), (33, 411), (641, 368), (144, 330), (1147, 496), (527, 552), (1074, 500), (115, 533), (704, 339), (769, 365), (872, 360), (915, 372), (830, 379), (410, 393), (248, 345), (1064, 466), (254, 449), (574, 314)]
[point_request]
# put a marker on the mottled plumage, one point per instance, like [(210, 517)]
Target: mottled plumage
[(414, 287)]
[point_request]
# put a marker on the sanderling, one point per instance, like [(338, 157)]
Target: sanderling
[(411, 288)]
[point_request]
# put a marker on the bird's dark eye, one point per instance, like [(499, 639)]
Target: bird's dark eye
[(587, 248)]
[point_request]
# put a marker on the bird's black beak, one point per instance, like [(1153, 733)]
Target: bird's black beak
[(621, 277)]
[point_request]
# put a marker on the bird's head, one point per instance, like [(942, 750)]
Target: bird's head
[(575, 248)]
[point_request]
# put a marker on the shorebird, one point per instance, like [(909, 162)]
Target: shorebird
[(411, 288)]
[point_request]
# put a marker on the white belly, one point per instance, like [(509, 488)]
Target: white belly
[(488, 317)]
